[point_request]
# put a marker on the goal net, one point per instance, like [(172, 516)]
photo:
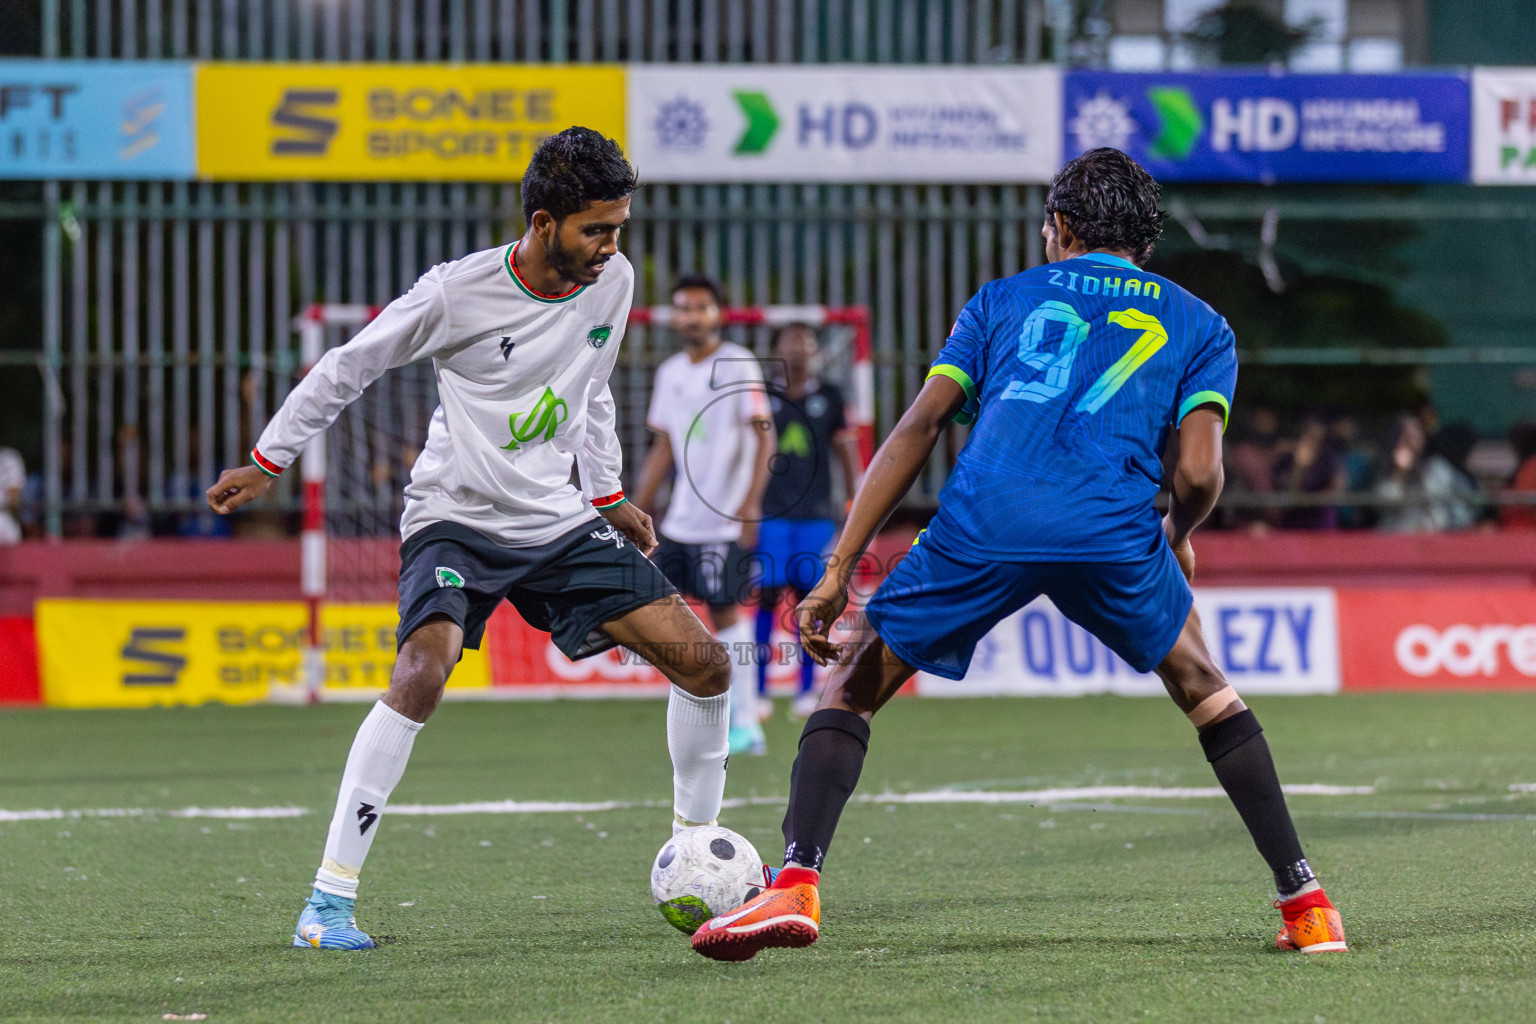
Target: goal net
[(354, 476)]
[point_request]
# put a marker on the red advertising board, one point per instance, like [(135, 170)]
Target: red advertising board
[(1437, 639)]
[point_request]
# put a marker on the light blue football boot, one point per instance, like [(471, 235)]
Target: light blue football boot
[(327, 923), (748, 740)]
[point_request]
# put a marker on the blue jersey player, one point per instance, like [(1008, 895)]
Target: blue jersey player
[(1073, 374)]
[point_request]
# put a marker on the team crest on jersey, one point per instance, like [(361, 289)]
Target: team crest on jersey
[(598, 336), (544, 418), (447, 577)]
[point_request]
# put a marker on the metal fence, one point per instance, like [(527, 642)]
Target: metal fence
[(856, 31), (167, 339)]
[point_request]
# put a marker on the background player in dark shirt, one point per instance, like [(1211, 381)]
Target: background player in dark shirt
[(800, 516)]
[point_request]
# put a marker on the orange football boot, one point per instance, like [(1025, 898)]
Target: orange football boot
[(787, 914), (1311, 924)]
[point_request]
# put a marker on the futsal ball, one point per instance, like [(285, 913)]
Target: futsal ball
[(704, 871)]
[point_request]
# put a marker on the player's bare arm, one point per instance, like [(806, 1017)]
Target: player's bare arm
[(894, 469), (237, 487), (750, 514), (1197, 482), (658, 463), (845, 448)]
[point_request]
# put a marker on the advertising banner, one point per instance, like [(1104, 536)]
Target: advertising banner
[(525, 663), (1220, 126), (393, 122), (95, 119), (1280, 640), (838, 123), (1504, 126), (101, 653), (1438, 639)]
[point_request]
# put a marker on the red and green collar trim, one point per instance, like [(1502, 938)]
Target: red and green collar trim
[(528, 289), (265, 464), (610, 501)]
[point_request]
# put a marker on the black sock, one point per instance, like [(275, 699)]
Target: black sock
[(826, 770), (1240, 757)]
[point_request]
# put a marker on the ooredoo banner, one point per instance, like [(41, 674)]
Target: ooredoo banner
[(1437, 639), (1504, 126), (756, 122), (1240, 126), (1281, 640)]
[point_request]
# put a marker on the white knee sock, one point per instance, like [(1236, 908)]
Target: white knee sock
[(374, 767), (696, 738), (740, 643)]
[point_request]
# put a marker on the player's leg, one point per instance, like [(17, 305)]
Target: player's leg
[(1144, 611), (451, 579), (668, 635), (1234, 744), (374, 767), (813, 538), (767, 600), (930, 613), (723, 575)]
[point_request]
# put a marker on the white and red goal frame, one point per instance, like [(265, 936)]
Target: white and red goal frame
[(311, 326)]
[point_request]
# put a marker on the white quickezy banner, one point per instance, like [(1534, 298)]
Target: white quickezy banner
[(1269, 640), (1504, 126), (755, 122)]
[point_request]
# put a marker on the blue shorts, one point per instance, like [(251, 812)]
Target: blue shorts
[(789, 552), (935, 606)]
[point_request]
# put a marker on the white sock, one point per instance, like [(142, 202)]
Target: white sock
[(696, 738), (739, 639), (374, 767)]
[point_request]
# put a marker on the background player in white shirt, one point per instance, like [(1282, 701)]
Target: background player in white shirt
[(523, 339), (709, 409)]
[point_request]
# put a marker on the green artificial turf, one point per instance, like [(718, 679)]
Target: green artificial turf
[(1094, 910)]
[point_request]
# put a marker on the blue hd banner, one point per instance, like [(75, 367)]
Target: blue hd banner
[(96, 119), (1223, 126)]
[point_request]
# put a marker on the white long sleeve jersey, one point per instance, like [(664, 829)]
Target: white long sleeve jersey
[(522, 381)]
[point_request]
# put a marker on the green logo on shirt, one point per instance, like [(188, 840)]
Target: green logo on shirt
[(544, 418), (598, 336), (795, 440), (447, 577)]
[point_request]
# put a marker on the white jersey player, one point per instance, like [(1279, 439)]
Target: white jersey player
[(712, 421), (523, 339)]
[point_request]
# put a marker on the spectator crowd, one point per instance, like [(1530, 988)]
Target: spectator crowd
[(1413, 474)]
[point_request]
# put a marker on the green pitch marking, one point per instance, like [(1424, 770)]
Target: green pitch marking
[(1181, 122), (762, 123)]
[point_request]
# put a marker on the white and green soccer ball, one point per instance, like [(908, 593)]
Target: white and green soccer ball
[(701, 872)]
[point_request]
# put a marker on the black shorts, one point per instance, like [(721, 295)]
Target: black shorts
[(568, 587), (720, 575)]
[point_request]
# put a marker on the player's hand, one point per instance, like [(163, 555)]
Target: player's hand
[(1182, 550), (633, 524), (237, 487), (822, 607)]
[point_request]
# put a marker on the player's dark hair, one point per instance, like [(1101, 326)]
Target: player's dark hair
[(1110, 201), (704, 281), (798, 325), (573, 168)]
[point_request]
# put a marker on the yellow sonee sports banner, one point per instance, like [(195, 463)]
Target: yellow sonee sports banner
[(393, 122), (98, 654)]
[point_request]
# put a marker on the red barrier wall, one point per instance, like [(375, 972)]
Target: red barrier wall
[(269, 570), (18, 661)]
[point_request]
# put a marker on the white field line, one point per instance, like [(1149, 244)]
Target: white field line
[(940, 796)]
